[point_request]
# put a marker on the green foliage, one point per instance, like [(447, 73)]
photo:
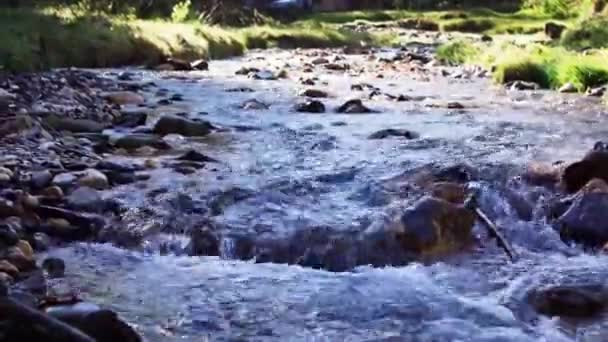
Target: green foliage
[(182, 11), (470, 25), (589, 33), (457, 52), (559, 9), (582, 73)]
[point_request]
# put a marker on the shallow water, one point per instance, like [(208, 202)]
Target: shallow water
[(303, 170)]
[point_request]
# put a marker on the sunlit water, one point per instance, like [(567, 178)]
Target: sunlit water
[(304, 170)]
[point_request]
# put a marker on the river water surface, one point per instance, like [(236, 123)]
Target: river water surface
[(321, 170)]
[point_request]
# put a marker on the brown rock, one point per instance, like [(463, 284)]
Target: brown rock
[(53, 192), (26, 249), (8, 268), (542, 174), (593, 165), (124, 98), (5, 278), (451, 192), (17, 257), (94, 179)]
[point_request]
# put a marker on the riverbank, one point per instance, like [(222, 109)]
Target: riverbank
[(36, 40)]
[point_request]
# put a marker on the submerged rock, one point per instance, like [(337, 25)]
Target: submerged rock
[(354, 107), (254, 104), (392, 132), (523, 85), (124, 98), (315, 93), (54, 267), (312, 106), (585, 221), (136, 141), (177, 125), (102, 325), (569, 301)]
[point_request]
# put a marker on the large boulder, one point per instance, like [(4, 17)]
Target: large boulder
[(172, 124), (593, 165), (430, 228), (569, 301), (554, 30), (585, 220)]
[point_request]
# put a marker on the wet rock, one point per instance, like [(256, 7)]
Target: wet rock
[(451, 192), (25, 248), (136, 141), (54, 267), (319, 61), (16, 256), (65, 180), (541, 174), (392, 132), (184, 169), (132, 118), (337, 66), (458, 173), (523, 85), (569, 301), (246, 71), (254, 104), (16, 125), (164, 67), (314, 93), (354, 107), (8, 268), (102, 325), (585, 221), (179, 64), (430, 228), (4, 178), (312, 106), (596, 92), (203, 241), (94, 179), (73, 125), (53, 192), (568, 88), (124, 98), (486, 38), (41, 241), (593, 165), (87, 199), (178, 125), (41, 179), (7, 172), (5, 282), (240, 90), (200, 64), (554, 30), (219, 201), (196, 156), (8, 235), (266, 75)]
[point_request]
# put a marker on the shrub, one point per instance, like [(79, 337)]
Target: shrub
[(458, 52), (523, 70), (589, 33)]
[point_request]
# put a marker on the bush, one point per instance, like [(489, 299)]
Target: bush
[(559, 9), (589, 33), (470, 25), (458, 52), (523, 70)]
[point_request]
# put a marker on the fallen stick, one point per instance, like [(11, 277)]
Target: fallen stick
[(56, 329), (472, 204)]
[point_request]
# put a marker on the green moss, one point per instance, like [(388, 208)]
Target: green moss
[(458, 52)]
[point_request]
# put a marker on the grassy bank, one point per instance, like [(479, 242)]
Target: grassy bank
[(33, 40), (471, 20)]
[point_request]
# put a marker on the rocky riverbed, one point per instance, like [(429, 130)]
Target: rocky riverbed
[(301, 195)]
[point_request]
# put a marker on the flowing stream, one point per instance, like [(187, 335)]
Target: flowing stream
[(299, 170)]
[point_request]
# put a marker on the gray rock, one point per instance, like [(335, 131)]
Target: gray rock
[(102, 325), (73, 125), (135, 141), (392, 132), (177, 125), (585, 221), (8, 235), (54, 267), (87, 199), (312, 106), (41, 179), (40, 242), (354, 107), (583, 301), (65, 180), (94, 178), (568, 88)]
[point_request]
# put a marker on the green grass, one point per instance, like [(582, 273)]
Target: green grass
[(523, 70), (476, 19), (588, 33), (457, 52), (33, 40)]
